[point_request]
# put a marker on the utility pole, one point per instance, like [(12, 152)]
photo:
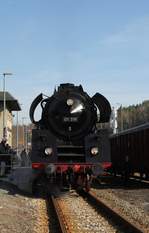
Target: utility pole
[(23, 132)]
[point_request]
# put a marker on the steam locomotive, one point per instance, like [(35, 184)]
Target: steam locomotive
[(65, 141)]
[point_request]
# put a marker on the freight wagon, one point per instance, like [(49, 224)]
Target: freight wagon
[(130, 151)]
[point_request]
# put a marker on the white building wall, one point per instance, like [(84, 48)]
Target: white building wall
[(9, 121)]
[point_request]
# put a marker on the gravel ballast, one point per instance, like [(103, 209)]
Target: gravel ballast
[(20, 213), (131, 203)]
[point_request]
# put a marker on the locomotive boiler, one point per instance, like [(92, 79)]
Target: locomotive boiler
[(66, 139)]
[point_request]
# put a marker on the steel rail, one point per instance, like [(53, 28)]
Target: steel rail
[(61, 218), (117, 218)]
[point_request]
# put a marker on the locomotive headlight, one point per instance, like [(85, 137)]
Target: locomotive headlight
[(48, 151), (94, 150), (70, 102)]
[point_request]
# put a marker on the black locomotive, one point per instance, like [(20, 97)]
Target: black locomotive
[(66, 137)]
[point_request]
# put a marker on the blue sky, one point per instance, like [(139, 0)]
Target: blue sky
[(101, 44)]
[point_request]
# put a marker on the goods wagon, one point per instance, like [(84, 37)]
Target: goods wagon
[(130, 151)]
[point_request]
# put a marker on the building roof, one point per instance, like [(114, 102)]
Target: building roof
[(11, 103)]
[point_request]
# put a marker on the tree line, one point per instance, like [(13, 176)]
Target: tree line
[(133, 115)]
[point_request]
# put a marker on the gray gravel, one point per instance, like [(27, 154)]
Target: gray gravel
[(131, 203), (20, 213)]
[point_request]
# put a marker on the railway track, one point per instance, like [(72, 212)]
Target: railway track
[(75, 215), (125, 224), (85, 213), (63, 222)]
